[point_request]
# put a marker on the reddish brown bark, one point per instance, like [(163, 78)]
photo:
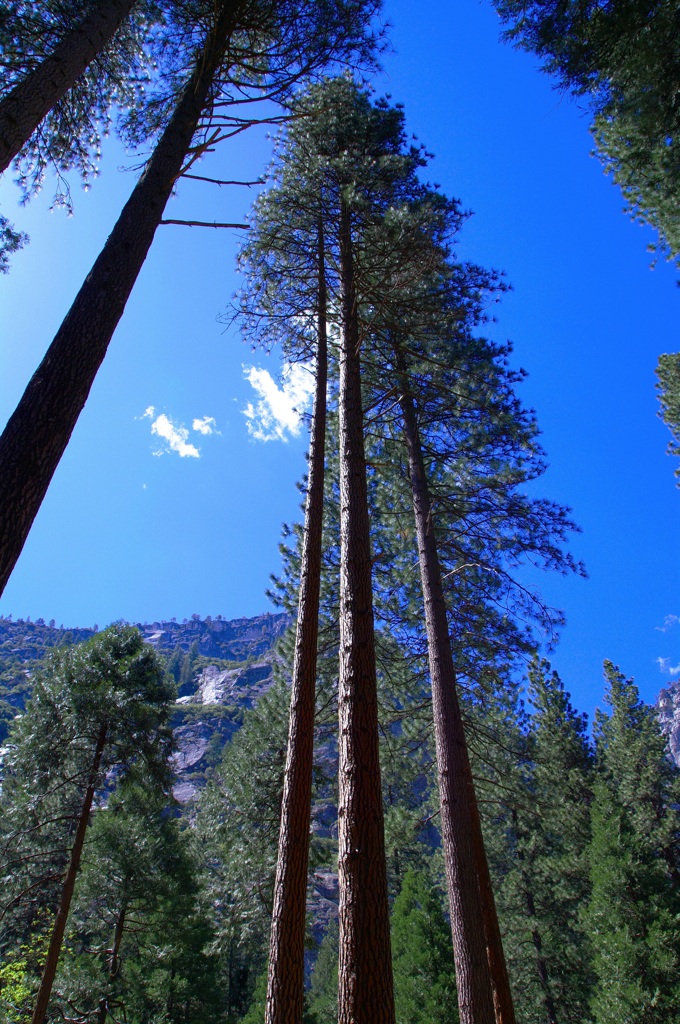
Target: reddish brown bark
[(57, 937), (483, 989), (22, 110), (285, 988), (365, 992), (40, 428)]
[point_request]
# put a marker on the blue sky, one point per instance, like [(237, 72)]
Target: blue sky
[(167, 503)]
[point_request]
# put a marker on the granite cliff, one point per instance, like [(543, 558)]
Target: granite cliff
[(223, 666), (668, 707)]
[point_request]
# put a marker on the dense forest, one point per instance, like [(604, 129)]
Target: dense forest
[(378, 805), (172, 904)]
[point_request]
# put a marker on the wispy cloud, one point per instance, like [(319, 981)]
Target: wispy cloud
[(666, 668), (174, 437), (206, 425), (278, 411), (668, 623)]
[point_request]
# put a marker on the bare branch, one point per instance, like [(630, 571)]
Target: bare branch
[(204, 224), (218, 181)]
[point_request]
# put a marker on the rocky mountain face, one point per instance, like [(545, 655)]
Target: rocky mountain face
[(668, 707), (231, 639), (223, 666), (208, 716)]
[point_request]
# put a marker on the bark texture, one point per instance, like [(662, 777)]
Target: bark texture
[(57, 937), (285, 986), (365, 993), (40, 427), (481, 977), (22, 110)]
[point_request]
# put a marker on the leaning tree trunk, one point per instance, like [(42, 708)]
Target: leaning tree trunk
[(481, 976), (45, 990), (39, 430), (365, 990), (285, 989), (22, 109)]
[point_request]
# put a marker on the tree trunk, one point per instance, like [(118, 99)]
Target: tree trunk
[(285, 990), (39, 430), (103, 1008), (22, 109), (365, 992), (43, 997), (481, 976), (117, 939)]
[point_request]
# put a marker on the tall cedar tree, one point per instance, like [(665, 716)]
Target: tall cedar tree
[(421, 271), (475, 927), (285, 992), (549, 523), (480, 964), (280, 271), (99, 707), (353, 150), (473, 914), (365, 988), (271, 44)]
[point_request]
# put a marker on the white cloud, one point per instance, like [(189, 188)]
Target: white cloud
[(278, 410), (206, 425), (668, 623), (175, 437), (666, 668)]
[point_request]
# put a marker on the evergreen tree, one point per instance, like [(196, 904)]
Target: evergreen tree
[(97, 709), (38, 75), (668, 387), (634, 908), (424, 975), (623, 57), (423, 330), (331, 151), (409, 299), (136, 945), (237, 829), (545, 877), (286, 972), (323, 994), (480, 961), (270, 45), (269, 256)]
